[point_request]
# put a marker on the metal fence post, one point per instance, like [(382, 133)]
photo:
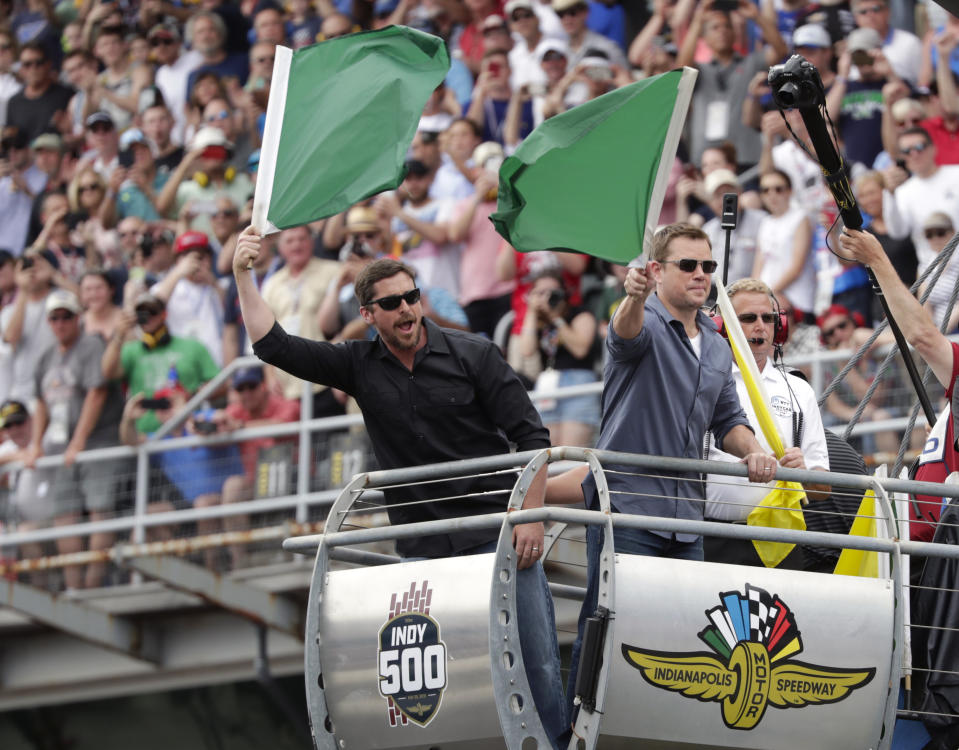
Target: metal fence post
[(303, 474)]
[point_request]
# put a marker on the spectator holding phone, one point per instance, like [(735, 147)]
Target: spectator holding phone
[(194, 301), (156, 359), (201, 176), (559, 348)]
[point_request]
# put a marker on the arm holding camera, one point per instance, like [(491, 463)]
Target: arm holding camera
[(110, 363), (25, 280)]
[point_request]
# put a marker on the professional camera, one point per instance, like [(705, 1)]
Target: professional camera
[(796, 83), (556, 298)]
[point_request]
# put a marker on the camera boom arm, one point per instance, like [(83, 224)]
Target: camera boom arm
[(796, 84)]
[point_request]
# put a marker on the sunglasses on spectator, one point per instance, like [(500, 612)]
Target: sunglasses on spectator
[(749, 318), (226, 213), (101, 127), (60, 317), (218, 116), (827, 333), (574, 11), (392, 302), (35, 63), (917, 149), (88, 188), (522, 15), (937, 233), (246, 387), (866, 9), (909, 122), (688, 265), (773, 189), (165, 41), (366, 235), (266, 59)]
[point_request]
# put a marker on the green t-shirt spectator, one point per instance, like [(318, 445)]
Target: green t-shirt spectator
[(147, 370)]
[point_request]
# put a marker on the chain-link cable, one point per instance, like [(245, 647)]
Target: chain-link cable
[(942, 261), (937, 265)]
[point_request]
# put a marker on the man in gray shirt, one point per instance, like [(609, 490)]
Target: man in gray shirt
[(668, 379)]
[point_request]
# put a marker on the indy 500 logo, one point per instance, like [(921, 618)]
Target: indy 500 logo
[(411, 658)]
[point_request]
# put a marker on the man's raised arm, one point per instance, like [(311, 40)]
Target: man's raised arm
[(257, 316)]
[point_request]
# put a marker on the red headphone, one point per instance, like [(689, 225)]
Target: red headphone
[(780, 327)]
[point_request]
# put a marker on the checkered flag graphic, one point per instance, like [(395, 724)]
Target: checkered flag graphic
[(762, 613)]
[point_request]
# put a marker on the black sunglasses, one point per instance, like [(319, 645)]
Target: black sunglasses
[(393, 301), (574, 11), (827, 333), (937, 233), (688, 265), (246, 387), (768, 318), (917, 149)]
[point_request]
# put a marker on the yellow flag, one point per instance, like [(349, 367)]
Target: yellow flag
[(781, 508), (860, 562)]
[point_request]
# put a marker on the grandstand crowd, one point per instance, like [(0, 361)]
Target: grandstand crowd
[(130, 145)]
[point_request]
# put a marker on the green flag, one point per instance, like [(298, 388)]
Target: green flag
[(592, 179), (339, 122)]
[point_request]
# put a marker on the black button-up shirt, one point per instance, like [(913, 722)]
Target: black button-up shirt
[(461, 400)]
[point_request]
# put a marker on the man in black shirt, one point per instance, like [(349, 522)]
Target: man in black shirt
[(42, 103), (430, 394)]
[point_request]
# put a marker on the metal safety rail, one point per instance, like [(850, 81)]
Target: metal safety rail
[(341, 710)]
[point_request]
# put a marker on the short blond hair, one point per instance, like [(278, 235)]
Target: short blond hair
[(749, 285)]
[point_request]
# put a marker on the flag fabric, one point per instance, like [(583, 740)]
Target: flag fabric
[(859, 562), (781, 508), (592, 180), (340, 119)]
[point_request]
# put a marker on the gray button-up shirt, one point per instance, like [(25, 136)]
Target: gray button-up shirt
[(659, 398)]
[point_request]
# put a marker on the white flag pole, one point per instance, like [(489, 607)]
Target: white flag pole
[(266, 171)]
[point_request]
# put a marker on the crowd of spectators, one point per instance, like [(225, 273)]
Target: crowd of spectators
[(130, 144)]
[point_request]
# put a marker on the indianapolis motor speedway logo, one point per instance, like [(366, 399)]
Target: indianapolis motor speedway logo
[(411, 658), (752, 638)]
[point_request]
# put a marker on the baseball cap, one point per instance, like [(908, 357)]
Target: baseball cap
[(131, 136), (488, 152), (937, 220), (246, 375), (148, 299), (559, 5), (863, 39), (48, 142), (13, 413), (61, 299), (517, 5), (493, 22), (835, 309), (384, 7), (552, 45), (811, 35), (99, 118), (361, 219), (717, 178), (191, 240), (164, 31), (416, 167), (209, 136)]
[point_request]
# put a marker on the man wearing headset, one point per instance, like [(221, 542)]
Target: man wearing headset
[(793, 407)]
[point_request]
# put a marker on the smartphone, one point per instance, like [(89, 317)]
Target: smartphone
[(599, 73), (155, 403), (125, 158), (861, 57), (26, 263)]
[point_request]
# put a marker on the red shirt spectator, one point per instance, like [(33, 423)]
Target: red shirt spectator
[(256, 405)]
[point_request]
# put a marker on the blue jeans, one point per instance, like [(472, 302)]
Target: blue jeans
[(537, 632), (632, 542)]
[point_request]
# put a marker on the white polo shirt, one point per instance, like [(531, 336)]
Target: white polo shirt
[(732, 498)]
